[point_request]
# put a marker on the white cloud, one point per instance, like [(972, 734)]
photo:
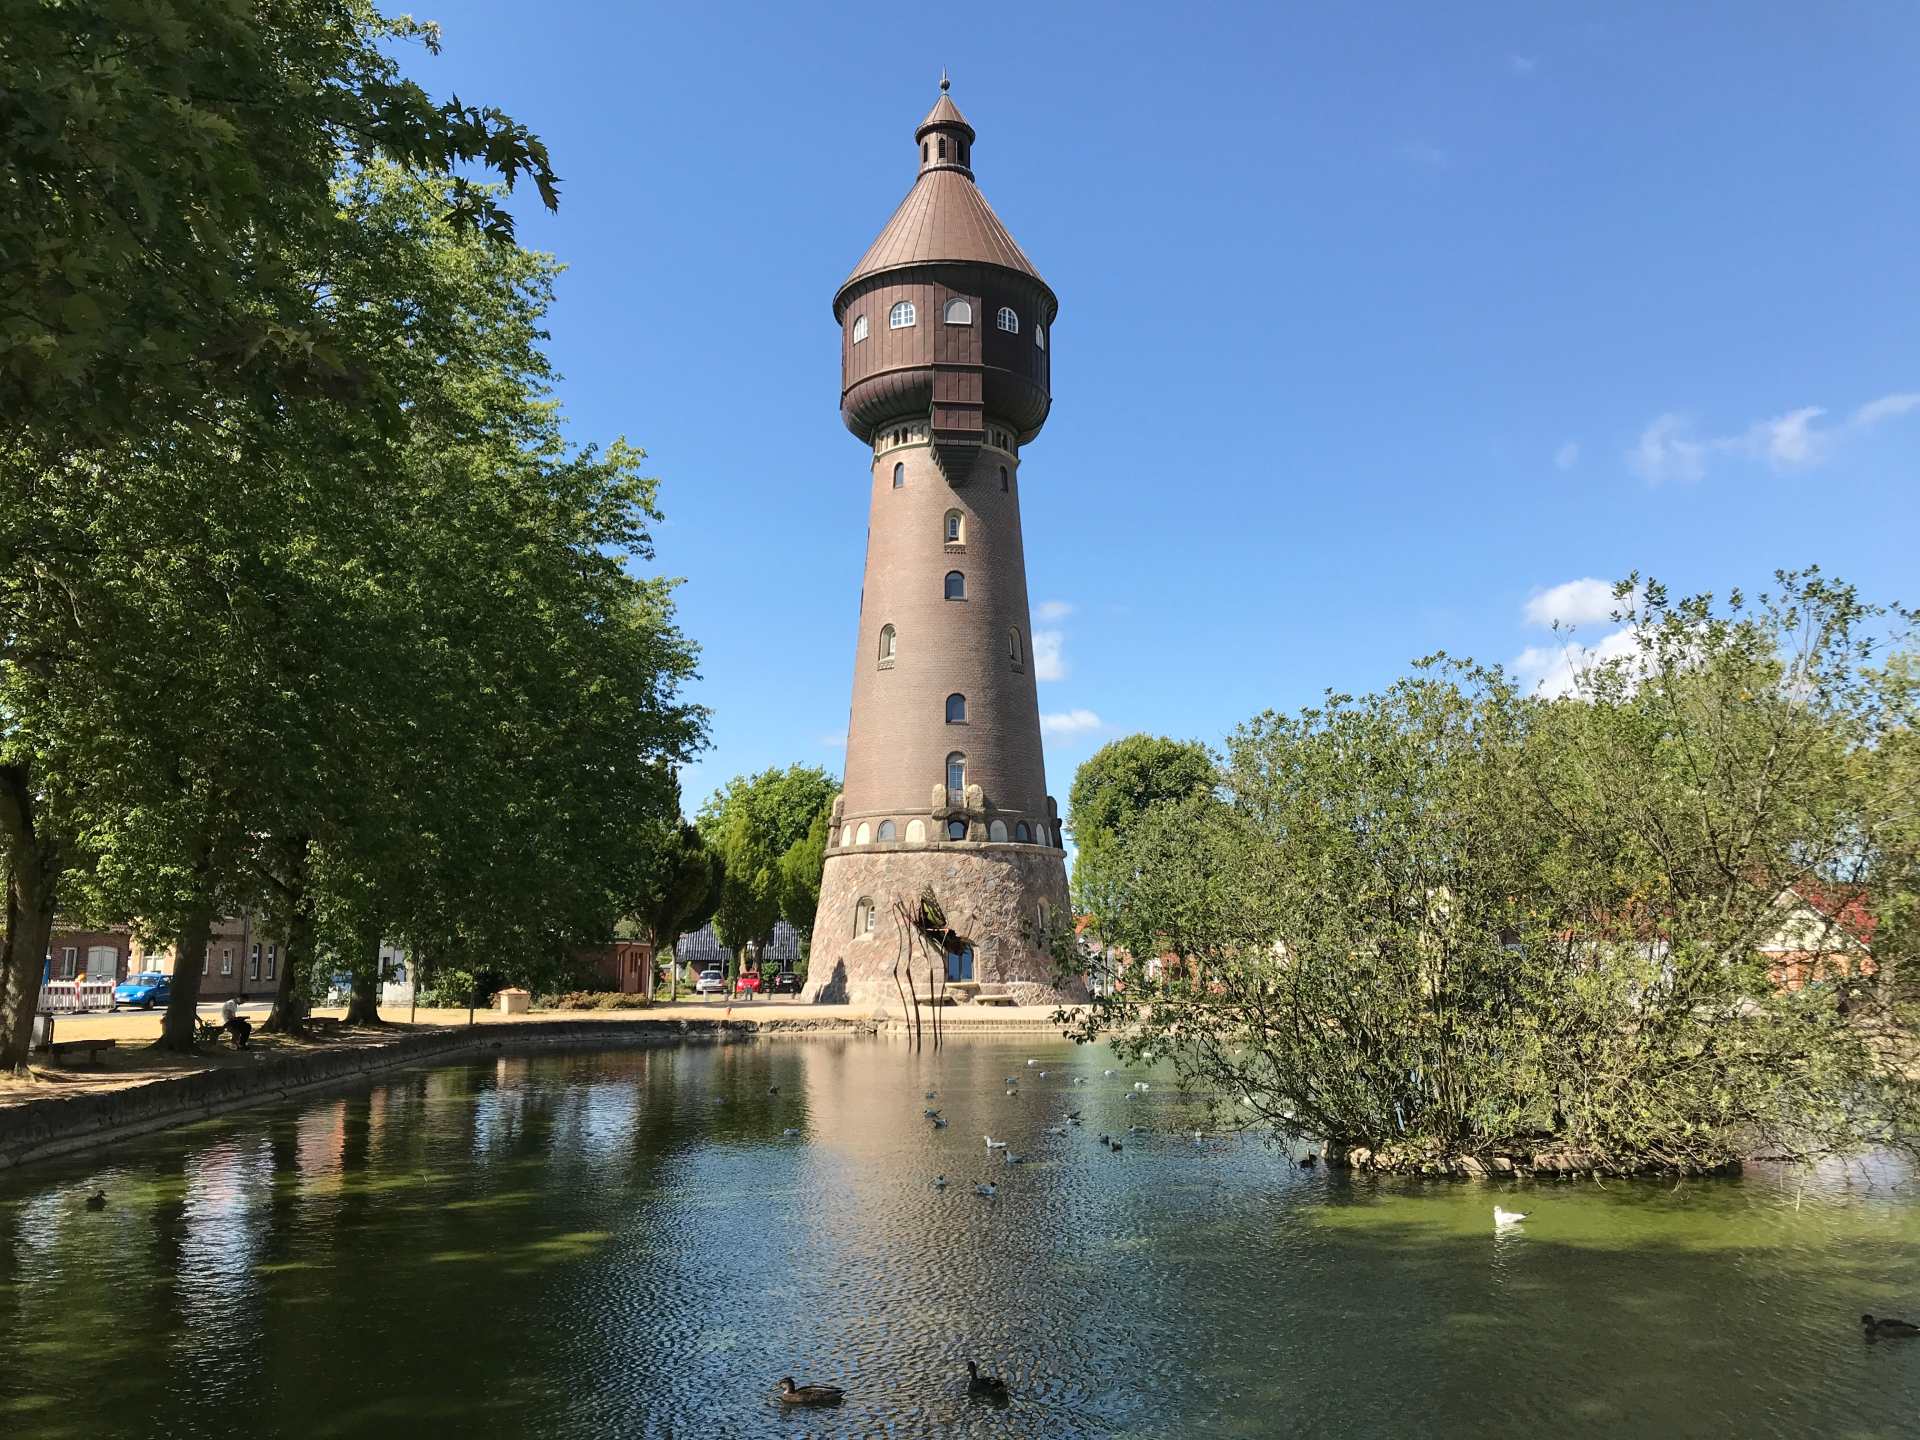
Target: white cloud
[(1070, 722), (1665, 452), (1886, 408), (836, 740), (1053, 610), (1668, 450), (1577, 602), (1522, 64), (1048, 661), (1555, 670), (1567, 456)]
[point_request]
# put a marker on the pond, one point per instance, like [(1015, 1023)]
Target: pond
[(628, 1244)]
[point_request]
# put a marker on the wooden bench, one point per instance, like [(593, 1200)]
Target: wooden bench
[(61, 1049), (993, 995)]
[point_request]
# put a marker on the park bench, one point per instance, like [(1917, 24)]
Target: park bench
[(62, 1050), (993, 995)]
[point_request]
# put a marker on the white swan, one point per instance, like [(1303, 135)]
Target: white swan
[(1509, 1217)]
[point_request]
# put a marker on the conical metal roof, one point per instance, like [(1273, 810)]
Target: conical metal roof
[(943, 218)]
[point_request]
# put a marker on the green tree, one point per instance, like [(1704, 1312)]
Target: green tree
[(684, 887), (1457, 926), (1116, 786), (801, 867), (751, 823)]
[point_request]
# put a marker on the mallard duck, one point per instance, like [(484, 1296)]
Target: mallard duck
[(986, 1387), (1309, 1160), (993, 1144), (933, 1094), (1904, 1329), (1115, 1146), (792, 1394), (773, 1089), (1106, 1139), (1073, 1117), (1509, 1217), (939, 1123), (931, 1113), (97, 1200), (989, 1190), (1013, 1159)]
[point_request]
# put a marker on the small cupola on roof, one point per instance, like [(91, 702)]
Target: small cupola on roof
[(946, 139)]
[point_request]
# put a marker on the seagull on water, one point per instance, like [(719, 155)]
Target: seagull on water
[(1508, 1217), (790, 1133), (993, 1144)]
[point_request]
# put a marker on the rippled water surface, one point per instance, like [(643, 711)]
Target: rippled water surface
[(626, 1244)]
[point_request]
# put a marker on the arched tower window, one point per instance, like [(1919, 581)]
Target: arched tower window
[(1023, 833), (959, 312), (887, 642), (1008, 320), (956, 585), (943, 147), (864, 835), (997, 830), (899, 474), (956, 829), (1003, 479), (1014, 652), (956, 771), (956, 709), (1040, 336), (916, 832), (956, 528), (885, 832), (901, 316), (859, 328), (863, 918)]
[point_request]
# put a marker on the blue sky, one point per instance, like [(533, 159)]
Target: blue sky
[(1380, 327)]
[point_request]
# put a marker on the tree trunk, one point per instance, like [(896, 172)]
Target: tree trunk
[(364, 1008), (289, 1012), (33, 861), (189, 958)]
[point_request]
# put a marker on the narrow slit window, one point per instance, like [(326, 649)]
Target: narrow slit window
[(888, 640), (1040, 337), (956, 527), (956, 771), (899, 474), (1003, 479), (1014, 652)]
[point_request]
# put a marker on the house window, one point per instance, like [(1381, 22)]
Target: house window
[(859, 328), (956, 585), (887, 643), (1007, 320), (253, 963), (956, 527), (901, 316), (863, 918), (1003, 479), (885, 832), (899, 474), (69, 961), (957, 772), (1013, 648), (956, 830), (956, 709), (1040, 337), (959, 312), (273, 960), (1023, 833), (226, 960)]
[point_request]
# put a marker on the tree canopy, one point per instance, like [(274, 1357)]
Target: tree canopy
[(1458, 926), (752, 823)]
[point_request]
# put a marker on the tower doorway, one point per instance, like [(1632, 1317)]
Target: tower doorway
[(959, 960)]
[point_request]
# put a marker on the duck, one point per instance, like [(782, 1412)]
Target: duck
[(1891, 1329), (1012, 1159), (931, 1113), (792, 1394), (986, 1387), (1032, 1063), (1509, 1217), (933, 1094), (1012, 1080), (97, 1200), (1141, 1086), (1106, 1072), (1079, 1079), (1056, 1130), (939, 1123), (1043, 1074), (989, 1190), (939, 1182), (1011, 1092), (773, 1089), (1073, 1117), (1115, 1146), (1106, 1139), (1136, 1129), (993, 1144), (790, 1133), (1309, 1160)]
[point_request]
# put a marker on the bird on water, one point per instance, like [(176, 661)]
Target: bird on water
[(989, 1190), (1891, 1329), (1509, 1217), (792, 1394), (984, 1387), (993, 1144), (97, 1200)]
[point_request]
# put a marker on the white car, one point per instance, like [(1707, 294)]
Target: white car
[(712, 981)]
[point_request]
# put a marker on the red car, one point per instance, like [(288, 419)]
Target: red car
[(748, 983)]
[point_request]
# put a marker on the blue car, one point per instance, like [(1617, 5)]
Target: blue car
[(145, 990)]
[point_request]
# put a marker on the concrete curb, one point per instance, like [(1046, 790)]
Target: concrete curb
[(64, 1124)]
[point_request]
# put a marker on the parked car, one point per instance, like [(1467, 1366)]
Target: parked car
[(785, 983), (748, 984), (146, 989), (712, 981)]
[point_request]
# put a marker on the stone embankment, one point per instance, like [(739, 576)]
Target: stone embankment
[(61, 1123)]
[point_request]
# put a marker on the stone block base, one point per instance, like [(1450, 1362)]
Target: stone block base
[(992, 895)]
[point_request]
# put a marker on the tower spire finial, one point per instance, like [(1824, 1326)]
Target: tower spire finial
[(945, 83)]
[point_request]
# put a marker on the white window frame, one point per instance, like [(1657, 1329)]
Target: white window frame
[(1040, 336), (903, 315), (958, 312), (273, 961), (1008, 319), (956, 531), (957, 761), (226, 959), (859, 328)]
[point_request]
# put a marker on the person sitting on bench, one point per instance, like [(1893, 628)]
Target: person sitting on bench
[(232, 1019)]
